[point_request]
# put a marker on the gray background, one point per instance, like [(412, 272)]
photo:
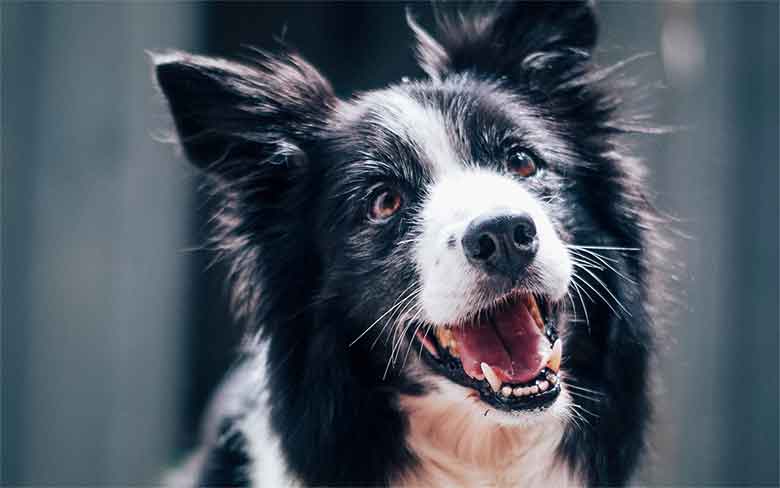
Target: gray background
[(114, 328)]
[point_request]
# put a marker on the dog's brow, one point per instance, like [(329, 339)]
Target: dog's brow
[(422, 126)]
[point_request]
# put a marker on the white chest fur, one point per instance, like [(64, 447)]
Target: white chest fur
[(458, 446)]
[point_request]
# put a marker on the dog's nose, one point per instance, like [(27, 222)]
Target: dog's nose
[(503, 243)]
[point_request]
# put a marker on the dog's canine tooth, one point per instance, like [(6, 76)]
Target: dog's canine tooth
[(491, 377), (554, 360), (506, 391)]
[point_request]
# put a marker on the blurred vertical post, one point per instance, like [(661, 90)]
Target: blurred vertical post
[(96, 215)]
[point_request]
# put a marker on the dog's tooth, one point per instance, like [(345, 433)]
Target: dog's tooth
[(506, 391), (453, 348), (443, 335), (491, 377), (544, 385), (554, 360), (519, 391), (533, 390), (447, 340), (533, 309)]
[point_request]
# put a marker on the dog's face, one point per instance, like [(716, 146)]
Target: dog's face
[(442, 214), (432, 238)]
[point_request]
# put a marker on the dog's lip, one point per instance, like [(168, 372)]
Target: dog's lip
[(531, 388)]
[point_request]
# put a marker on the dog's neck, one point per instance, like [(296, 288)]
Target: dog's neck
[(458, 446)]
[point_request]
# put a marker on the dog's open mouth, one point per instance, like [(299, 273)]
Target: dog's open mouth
[(510, 354)]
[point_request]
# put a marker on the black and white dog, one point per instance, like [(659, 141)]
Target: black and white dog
[(447, 279)]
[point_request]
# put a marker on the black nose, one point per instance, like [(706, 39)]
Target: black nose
[(504, 243)]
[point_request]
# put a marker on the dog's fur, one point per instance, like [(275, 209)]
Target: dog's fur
[(322, 397)]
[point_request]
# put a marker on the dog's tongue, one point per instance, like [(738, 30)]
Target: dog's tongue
[(509, 343)]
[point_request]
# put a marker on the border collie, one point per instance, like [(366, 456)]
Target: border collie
[(446, 281)]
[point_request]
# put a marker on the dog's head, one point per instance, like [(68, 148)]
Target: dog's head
[(454, 236)]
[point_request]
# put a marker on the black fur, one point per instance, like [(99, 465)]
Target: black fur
[(308, 274), (227, 462)]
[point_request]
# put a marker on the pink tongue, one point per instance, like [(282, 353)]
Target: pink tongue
[(510, 345)]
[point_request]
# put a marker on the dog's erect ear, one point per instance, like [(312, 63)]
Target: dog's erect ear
[(508, 38), (230, 116)]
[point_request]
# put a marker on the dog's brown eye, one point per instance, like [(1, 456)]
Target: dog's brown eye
[(522, 164), (386, 203)]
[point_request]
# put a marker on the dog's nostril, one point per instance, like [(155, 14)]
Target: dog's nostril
[(486, 247), (502, 243), (525, 232)]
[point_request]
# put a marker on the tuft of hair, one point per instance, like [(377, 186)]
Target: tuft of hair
[(507, 38), (249, 126)]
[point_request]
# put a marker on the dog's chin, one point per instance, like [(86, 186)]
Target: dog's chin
[(450, 398), (505, 358)]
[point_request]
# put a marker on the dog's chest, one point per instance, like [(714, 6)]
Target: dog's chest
[(467, 451), (446, 470), (538, 468)]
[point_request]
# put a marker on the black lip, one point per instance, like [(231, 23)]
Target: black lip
[(451, 368)]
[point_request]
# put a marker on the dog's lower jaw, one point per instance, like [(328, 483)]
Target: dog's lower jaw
[(455, 445)]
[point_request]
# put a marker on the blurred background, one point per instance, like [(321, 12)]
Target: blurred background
[(115, 329)]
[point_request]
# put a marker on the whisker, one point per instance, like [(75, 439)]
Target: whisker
[(578, 406), (584, 308), (573, 308), (606, 288), (408, 301), (592, 253), (604, 248), (578, 415), (577, 254), (594, 290), (572, 383), (411, 339), (584, 396), (427, 328), (400, 332), (604, 259), (582, 264), (384, 314)]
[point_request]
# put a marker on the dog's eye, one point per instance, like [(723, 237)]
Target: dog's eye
[(522, 164), (385, 203)]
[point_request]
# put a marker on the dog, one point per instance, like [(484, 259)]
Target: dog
[(447, 281)]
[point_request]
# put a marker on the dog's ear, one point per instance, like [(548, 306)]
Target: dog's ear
[(233, 118), (252, 127), (507, 39)]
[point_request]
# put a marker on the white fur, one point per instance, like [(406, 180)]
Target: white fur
[(460, 441), (450, 285), (418, 125), (268, 466)]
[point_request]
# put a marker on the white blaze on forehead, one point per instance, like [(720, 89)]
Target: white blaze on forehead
[(420, 125)]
